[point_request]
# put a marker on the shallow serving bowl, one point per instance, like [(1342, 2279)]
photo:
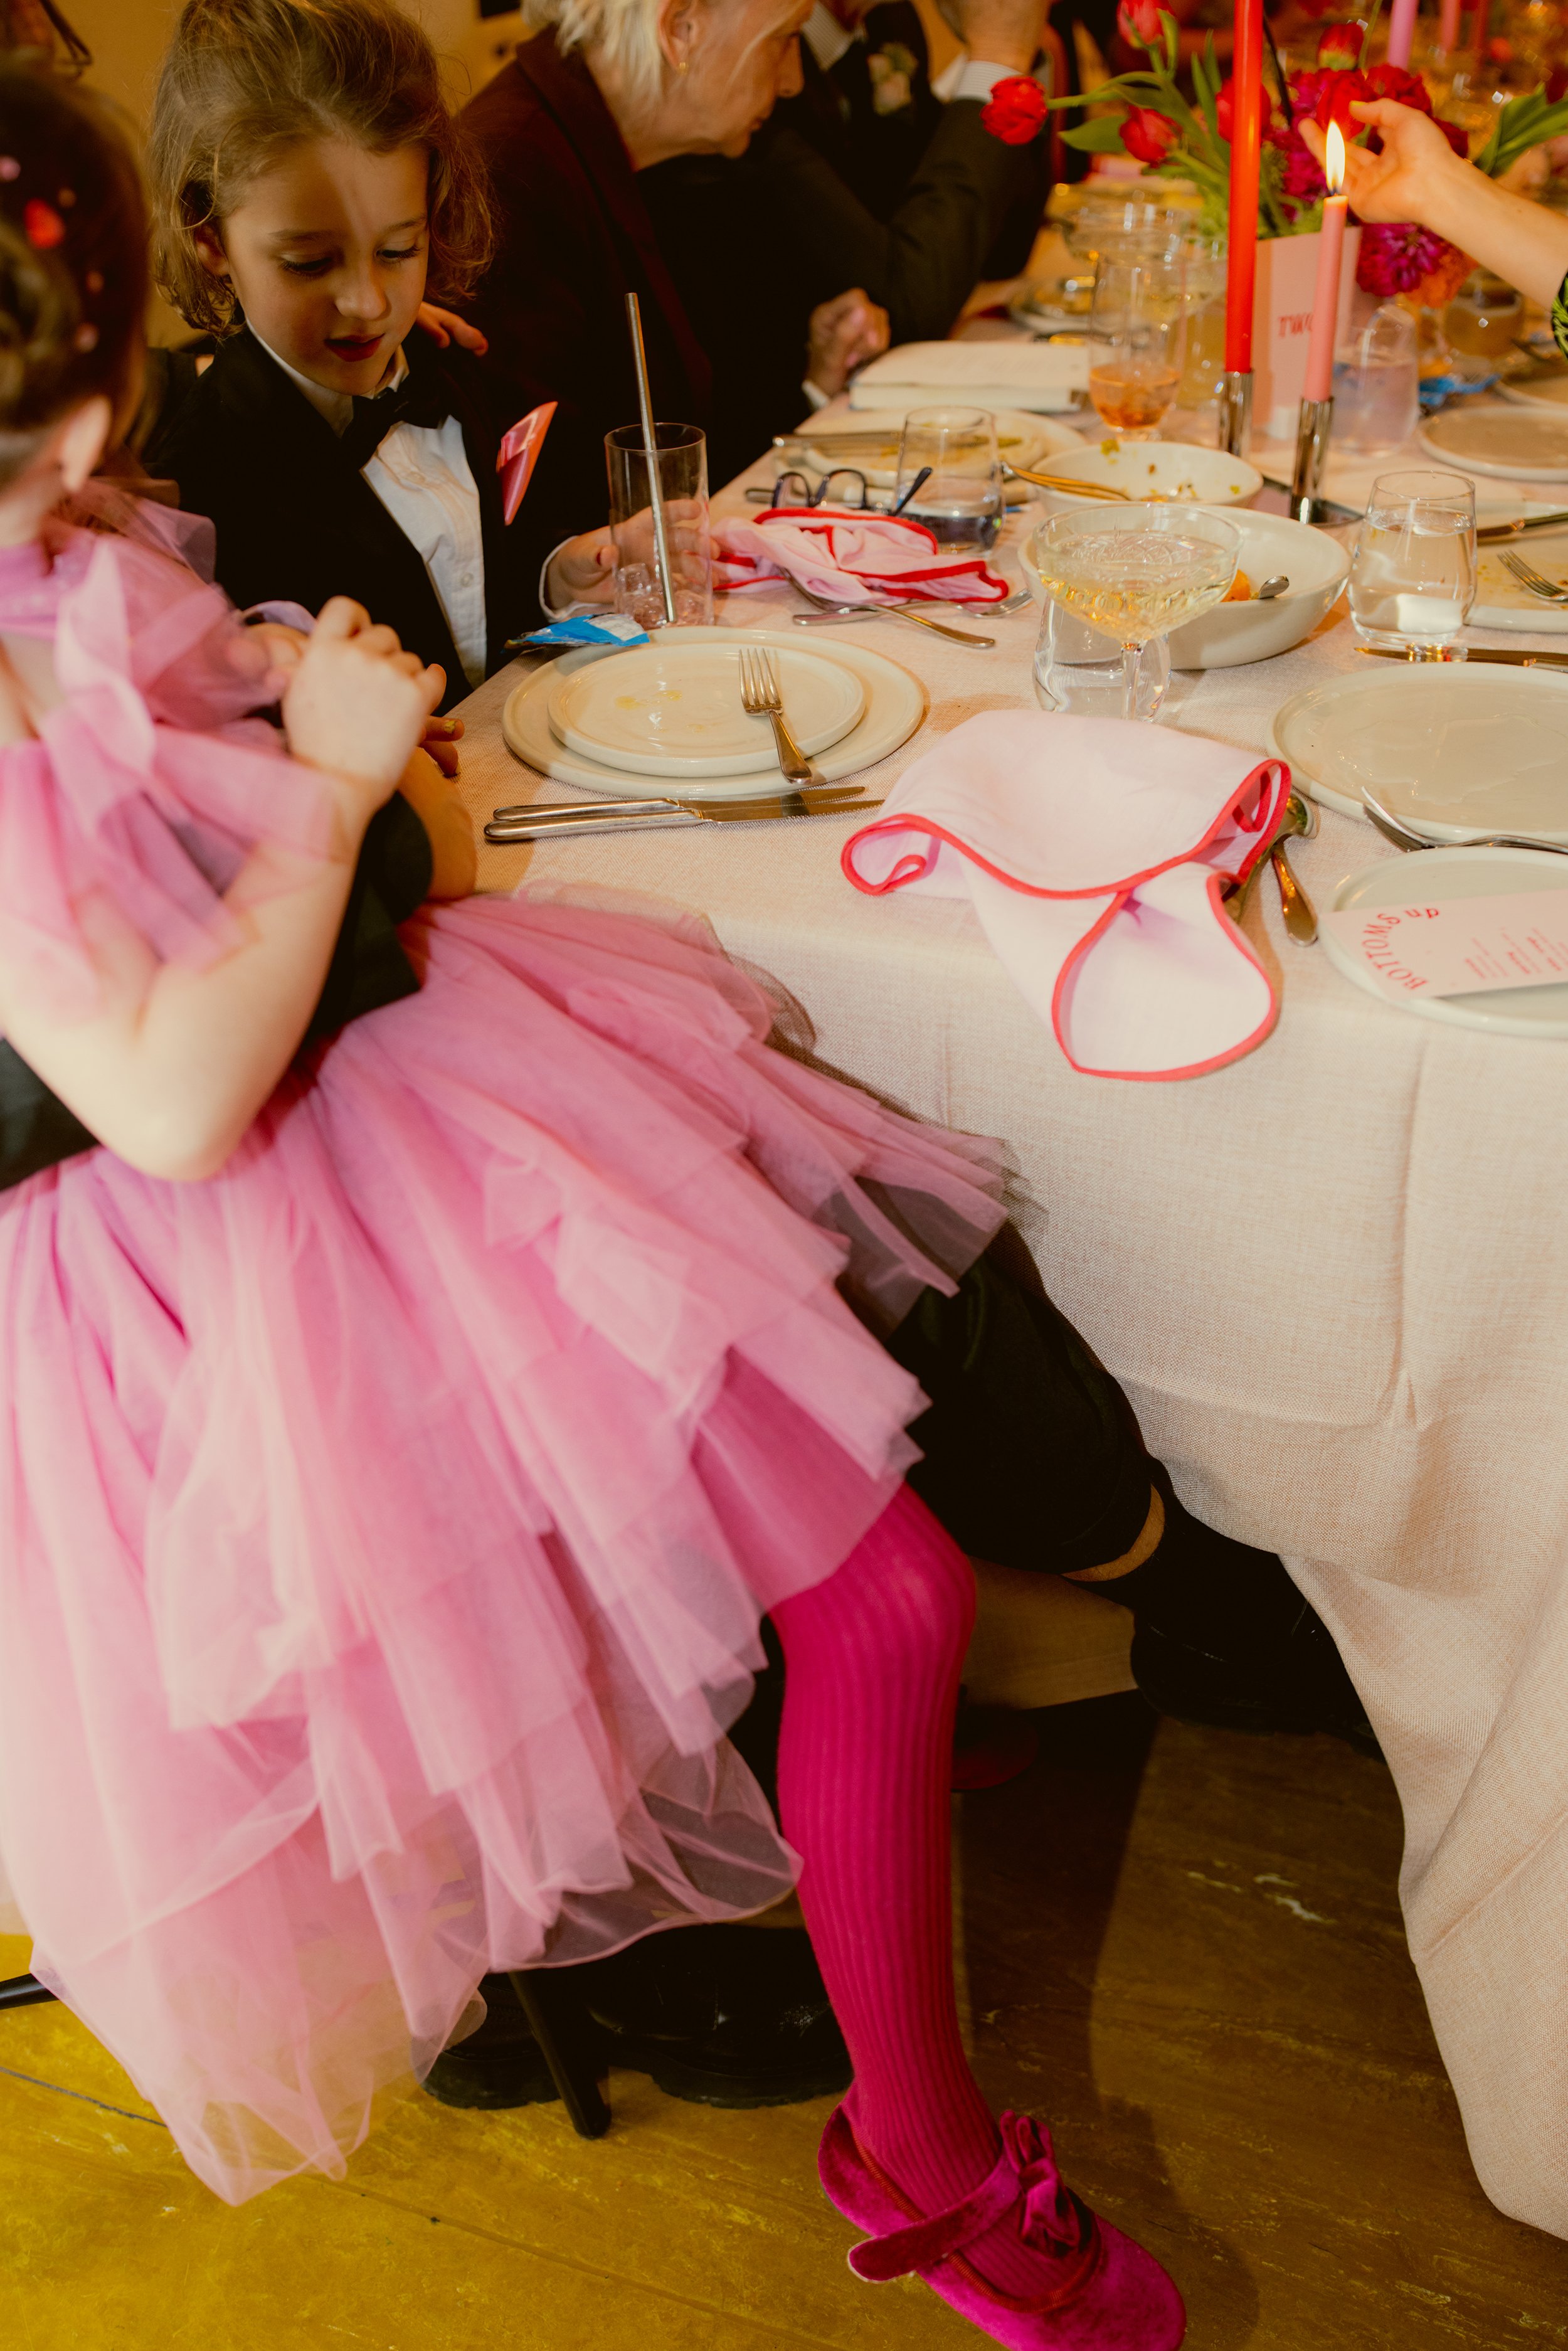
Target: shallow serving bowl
[(1176, 470), (1316, 565)]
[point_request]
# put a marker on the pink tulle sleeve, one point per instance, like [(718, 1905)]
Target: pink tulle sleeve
[(149, 784)]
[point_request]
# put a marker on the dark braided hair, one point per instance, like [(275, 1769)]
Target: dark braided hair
[(73, 258)]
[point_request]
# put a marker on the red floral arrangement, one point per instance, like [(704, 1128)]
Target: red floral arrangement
[(1189, 137), (1015, 110)]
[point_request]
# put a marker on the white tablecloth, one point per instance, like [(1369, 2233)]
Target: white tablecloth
[(1332, 1278)]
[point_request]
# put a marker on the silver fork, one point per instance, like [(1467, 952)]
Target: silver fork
[(1535, 581), (762, 697)]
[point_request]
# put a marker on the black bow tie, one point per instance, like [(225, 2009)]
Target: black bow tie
[(408, 403)]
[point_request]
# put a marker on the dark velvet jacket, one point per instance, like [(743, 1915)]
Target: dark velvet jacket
[(575, 239), (296, 520)]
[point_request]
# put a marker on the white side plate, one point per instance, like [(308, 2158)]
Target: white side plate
[(1523, 445), (1439, 874), (1451, 749), (674, 709), (896, 704)]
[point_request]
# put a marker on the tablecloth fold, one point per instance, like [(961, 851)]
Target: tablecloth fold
[(1096, 853)]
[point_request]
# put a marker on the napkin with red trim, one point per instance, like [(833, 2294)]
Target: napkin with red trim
[(1096, 853), (848, 556)]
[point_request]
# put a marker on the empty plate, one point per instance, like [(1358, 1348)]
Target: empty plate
[(1526, 444), (1453, 750), (1446, 874), (671, 708), (1501, 602)]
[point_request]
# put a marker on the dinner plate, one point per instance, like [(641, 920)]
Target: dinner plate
[(1440, 874), (1501, 603), (1525, 444), (674, 710), (1173, 471), (1021, 439), (894, 706), (1451, 749)]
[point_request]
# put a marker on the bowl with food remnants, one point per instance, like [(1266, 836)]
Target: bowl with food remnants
[(1178, 472), (1289, 577)]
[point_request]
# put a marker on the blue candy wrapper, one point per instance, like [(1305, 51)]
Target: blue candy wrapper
[(584, 629)]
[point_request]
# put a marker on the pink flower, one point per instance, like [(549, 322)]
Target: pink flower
[(1404, 88), (1396, 256), (1301, 181), (1148, 135), (1138, 22)]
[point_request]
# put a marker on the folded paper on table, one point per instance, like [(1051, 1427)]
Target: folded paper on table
[(518, 455), (1038, 376), (1467, 947), (848, 556), (1095, 851)]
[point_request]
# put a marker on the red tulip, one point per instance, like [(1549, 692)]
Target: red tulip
[(1225, 109), (1148, 135), (1138, 22), (1340, 47)]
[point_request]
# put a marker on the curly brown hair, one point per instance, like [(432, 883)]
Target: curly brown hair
[(244, 80), (73, 258)]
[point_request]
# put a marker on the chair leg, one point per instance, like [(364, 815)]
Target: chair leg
[(571, 2045), (23, 1991)]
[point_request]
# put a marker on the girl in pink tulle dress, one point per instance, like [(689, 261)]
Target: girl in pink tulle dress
[(403, 1439)]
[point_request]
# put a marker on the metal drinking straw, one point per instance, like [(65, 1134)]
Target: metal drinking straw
[(651, 451)]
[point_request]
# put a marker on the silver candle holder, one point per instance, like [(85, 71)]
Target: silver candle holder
[(1235, 412), (1314, 430)]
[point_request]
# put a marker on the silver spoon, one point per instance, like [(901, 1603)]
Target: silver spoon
[(1390, 826), (1272, 588)]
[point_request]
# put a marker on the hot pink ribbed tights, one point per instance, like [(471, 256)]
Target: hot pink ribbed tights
[(872, 1659)]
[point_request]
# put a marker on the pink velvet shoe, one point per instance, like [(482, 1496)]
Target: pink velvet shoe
[(1108, 2294)]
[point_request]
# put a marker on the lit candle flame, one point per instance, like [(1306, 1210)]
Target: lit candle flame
[(1334, 159)]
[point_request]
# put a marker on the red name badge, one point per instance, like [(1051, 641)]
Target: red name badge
[(519, 453)]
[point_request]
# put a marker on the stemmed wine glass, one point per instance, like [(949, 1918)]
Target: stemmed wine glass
[(1139, 350), (1135, 573)]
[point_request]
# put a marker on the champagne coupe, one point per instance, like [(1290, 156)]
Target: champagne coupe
[(961, 501), (1135, 572), (1138, 353)]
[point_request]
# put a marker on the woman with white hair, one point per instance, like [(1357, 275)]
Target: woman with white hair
[(606, 89)]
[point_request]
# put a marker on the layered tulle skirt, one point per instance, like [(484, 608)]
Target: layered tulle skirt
[(387, 1520)]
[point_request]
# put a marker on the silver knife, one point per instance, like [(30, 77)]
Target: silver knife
[(1480, 653), (1490, 533), (588, 818), (656, 803)]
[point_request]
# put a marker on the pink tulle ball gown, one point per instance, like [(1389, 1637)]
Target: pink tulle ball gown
[(388, 1519)]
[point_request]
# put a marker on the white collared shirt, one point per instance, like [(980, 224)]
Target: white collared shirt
[(964, 76), (421, 476)]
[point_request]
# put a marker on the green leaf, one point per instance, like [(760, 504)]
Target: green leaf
[(1101, 137)]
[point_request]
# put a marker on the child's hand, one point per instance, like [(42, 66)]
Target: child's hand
[(583, 571), (357, 703), (439, 739), (445, 327)]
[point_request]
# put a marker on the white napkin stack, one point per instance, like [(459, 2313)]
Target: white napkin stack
[(1036, 376)]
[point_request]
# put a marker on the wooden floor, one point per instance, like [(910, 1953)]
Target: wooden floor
[(1182, 1948)]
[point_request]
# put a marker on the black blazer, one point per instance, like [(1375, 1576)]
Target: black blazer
[(296, 520)]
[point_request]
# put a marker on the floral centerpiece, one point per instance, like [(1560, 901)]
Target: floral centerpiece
[(1189, 137)]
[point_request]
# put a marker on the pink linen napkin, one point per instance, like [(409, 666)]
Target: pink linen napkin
[(848, 556), (1094, 851)]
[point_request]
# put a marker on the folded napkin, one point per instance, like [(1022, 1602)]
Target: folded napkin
[(1036, 376), (1094, 851), (849, 557)]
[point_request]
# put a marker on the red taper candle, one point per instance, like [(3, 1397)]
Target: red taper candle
[(1246, 144)]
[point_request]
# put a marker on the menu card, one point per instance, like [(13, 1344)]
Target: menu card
[(1463, 947)]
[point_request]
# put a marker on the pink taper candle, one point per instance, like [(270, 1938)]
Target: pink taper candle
[(1448, 27), (1401, 31), (1325, 296)]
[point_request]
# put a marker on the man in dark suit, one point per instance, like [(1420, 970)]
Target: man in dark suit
[(953, 203)]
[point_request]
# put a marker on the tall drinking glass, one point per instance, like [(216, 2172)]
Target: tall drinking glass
[(682, 478), (1413, 572), (1134, 573), (1139, 346), (961, 502)]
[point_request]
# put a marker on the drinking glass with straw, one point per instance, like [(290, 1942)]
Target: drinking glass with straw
[(658, 509)]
